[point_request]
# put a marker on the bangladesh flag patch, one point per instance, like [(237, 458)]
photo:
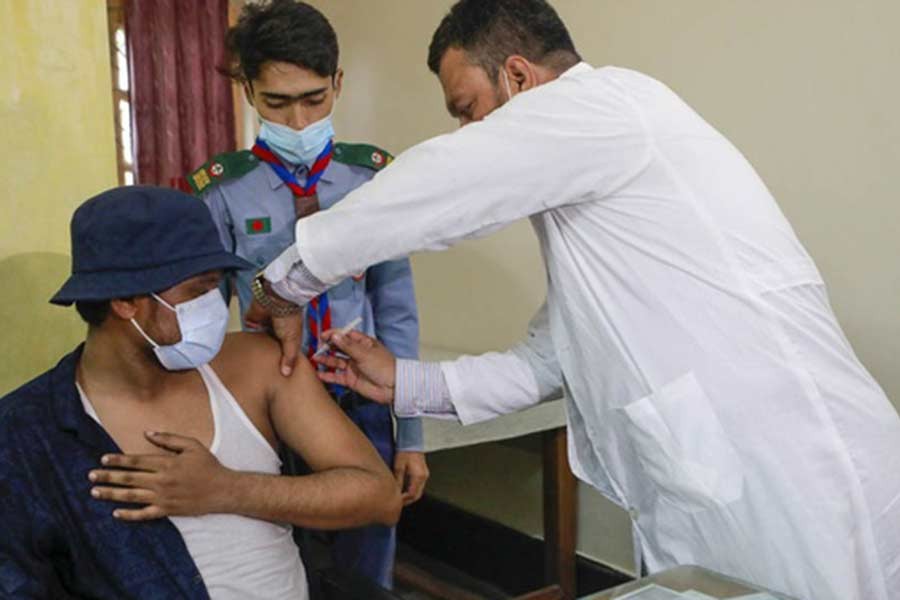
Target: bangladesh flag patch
[(259, 225)]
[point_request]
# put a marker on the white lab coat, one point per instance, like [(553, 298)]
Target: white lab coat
[(710, 389)]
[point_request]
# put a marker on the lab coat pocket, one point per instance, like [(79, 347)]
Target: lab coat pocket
[(683, 448)]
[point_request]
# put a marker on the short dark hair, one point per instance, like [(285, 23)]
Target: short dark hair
[(93, 312), (489, 31), (284, 31)]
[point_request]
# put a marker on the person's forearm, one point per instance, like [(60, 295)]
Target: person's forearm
[(473, 182), (476, 180), (337, 498), (475, 388)]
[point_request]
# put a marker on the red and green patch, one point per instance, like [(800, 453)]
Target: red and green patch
[(220, 168), (258, 225), (363, 155)]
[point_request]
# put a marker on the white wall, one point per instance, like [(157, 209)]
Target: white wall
[(807, 89)]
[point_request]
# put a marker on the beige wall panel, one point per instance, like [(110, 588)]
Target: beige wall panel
[(59, 149)]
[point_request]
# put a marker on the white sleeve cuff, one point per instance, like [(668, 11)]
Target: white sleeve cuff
[(298, 286), (278, 269)]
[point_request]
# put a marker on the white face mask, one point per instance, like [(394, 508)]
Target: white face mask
[(298, 147), (203, 322)]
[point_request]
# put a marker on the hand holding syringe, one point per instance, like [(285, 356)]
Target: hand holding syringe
[(324, 348)]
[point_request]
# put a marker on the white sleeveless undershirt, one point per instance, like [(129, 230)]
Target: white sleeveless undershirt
[(240, 558)]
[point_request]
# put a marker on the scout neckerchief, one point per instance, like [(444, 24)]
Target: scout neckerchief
[(306, 202)]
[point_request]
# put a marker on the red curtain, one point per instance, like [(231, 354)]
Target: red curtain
[(182, 110)]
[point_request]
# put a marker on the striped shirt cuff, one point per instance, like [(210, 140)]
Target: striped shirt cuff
[(420, 390)]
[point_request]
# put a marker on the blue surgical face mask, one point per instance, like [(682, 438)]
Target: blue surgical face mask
[(203, 322), (298, 147)]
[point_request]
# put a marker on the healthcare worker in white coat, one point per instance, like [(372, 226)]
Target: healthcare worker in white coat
[(709, 388)]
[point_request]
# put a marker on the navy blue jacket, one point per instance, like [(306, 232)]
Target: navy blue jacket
[(55, 540)]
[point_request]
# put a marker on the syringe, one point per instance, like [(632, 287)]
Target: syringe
[(343, 331)]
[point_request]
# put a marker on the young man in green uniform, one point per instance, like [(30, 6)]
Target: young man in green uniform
[(285, 54)]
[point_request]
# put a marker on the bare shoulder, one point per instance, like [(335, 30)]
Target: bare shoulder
[(243, 346), (247, 353), (250, 359)]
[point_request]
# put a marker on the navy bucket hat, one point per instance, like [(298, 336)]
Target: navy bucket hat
[(135, 240)]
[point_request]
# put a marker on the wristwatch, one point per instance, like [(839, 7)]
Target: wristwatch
[(275, 308)]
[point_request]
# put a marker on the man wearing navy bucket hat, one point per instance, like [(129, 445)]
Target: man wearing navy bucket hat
[(159, 414)]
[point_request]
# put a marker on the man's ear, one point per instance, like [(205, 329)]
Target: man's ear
[(125, 308), (522, 74), (338, 82)]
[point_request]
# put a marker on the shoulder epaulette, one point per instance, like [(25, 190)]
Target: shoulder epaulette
[(219, 168), (362, 155)]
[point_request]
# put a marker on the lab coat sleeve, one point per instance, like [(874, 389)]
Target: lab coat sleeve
[(497, 383), (559, 144)]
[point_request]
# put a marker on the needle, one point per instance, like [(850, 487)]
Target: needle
[(344, 330)]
